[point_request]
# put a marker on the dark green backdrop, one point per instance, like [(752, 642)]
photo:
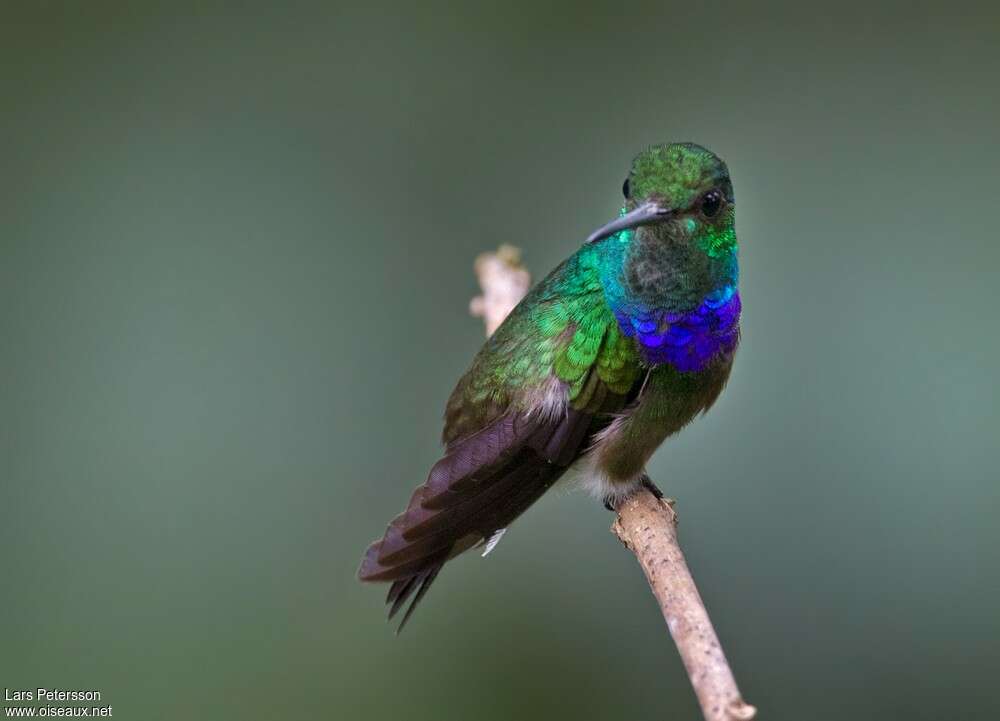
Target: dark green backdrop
[(235, 260)]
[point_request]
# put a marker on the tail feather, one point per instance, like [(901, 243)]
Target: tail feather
[(374, 570), (401, 591), (413, 568), (477, 516), (483, 483), (398, 593), (427, 578)]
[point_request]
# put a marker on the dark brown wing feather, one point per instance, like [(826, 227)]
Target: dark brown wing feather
[(481, 485)]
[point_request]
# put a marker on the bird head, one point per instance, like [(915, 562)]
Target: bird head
[(678, 193)]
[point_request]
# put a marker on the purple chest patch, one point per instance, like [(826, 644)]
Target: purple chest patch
[(688, 341)]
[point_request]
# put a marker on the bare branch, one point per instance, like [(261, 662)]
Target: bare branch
[(645, 525), (648, 527), (504, 282)]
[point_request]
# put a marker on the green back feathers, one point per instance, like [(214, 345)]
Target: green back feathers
[(596, 346), (564, 330)]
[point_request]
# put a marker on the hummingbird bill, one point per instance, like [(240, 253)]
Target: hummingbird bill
[(618, 348)]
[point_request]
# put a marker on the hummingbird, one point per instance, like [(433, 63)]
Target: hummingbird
[(619, 347)]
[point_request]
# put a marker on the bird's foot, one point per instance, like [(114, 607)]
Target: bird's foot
[(613, 500)]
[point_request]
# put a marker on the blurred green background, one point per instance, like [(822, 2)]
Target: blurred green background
[(235, 262)]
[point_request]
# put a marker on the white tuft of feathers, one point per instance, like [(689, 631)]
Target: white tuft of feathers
[(493, 540), (586, 474)]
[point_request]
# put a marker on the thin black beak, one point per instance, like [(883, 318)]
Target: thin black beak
[(646, 214)]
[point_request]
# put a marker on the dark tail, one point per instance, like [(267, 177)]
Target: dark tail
[(399, 591), (481, 485)]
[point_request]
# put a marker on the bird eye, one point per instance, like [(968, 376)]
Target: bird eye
[(626, 189), (711, 202)]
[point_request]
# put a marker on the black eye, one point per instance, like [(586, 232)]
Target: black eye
[(711, 202), (626, 189)]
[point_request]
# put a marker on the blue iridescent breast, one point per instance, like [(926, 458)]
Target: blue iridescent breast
[(688, 340)]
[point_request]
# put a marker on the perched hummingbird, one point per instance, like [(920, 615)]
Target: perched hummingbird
[(619, 347)]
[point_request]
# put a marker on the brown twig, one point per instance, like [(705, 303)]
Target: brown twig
[(646, 526), (504, 282)]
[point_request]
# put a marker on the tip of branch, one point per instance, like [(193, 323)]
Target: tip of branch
[(504, 281), (740, 710)]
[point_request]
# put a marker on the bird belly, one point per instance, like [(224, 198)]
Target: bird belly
[(616, 460)]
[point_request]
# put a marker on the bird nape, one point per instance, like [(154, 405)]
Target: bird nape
[(618, 348)]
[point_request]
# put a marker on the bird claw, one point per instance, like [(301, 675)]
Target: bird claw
[(651, 487), (611, 500)]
